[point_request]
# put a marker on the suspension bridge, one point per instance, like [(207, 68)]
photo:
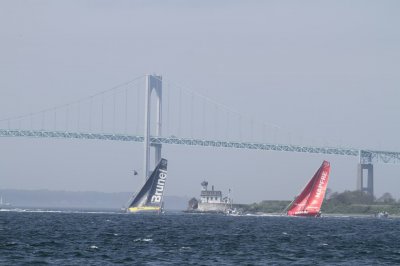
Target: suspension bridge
[(194, 120)]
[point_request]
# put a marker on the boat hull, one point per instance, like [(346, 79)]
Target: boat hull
[(309, 214), (144, 209)]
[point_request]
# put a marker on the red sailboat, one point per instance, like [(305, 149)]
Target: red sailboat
[(309, 202)]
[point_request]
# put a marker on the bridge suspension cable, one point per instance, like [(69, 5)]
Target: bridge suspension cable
[(76, 114)]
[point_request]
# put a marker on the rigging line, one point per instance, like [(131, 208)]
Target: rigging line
[(288, 206), (74, 102)]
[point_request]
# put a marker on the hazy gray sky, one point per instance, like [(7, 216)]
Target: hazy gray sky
[(320, 69)]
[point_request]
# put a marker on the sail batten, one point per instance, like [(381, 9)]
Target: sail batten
[(309, 202)]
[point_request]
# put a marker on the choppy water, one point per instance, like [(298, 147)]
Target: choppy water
[(63, 238)]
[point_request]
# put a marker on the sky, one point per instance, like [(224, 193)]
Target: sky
[(320, 70)]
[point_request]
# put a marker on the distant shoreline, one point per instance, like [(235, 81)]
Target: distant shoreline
[(277, 207), (50, 199)]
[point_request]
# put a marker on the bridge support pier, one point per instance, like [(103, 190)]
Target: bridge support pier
[(153, 83), (365, 170), (365, 179)]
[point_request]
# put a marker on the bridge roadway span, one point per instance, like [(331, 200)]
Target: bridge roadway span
[(365, 156)]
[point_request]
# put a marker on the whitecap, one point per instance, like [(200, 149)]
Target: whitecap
[(143, 240), (94, 247)]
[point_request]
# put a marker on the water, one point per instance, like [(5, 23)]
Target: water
[(66, 238)]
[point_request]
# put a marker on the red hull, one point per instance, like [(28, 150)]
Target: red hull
[(308, 214)]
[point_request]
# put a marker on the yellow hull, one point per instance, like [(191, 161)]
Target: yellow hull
[(144, 209)]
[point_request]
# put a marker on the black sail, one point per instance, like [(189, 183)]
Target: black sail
[(151, 195)]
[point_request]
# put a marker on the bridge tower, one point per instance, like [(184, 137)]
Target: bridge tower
[(365, 170), (153, 83)]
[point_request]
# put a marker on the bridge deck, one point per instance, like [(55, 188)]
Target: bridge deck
[(366, 156)]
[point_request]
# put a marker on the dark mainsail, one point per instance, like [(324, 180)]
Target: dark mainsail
[(149, 198)]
